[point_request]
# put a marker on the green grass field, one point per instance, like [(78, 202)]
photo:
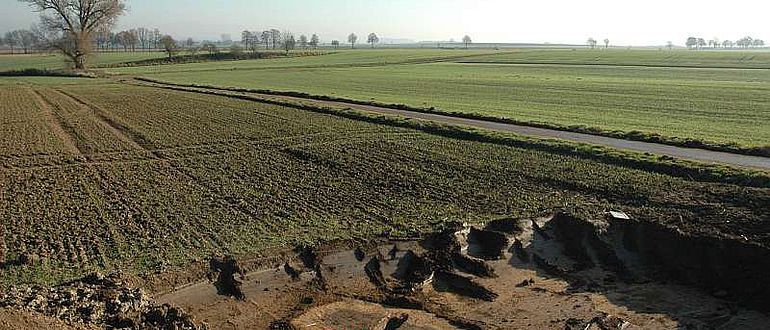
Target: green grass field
[(52, 61), (711, 96), (722, 106), (633, 57), (338, 58)]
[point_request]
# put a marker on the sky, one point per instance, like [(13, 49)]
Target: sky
[(624, 22)]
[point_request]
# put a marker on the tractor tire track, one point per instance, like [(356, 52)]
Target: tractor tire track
[(59, 126), (124, 133)]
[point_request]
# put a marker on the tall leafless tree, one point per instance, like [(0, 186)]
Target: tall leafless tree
[(10, 40), (75, 22), (303, 42), (275, 36), (169, 45), (591, 43), (467, 41), (288, 42), (352, 39), (373, 39)]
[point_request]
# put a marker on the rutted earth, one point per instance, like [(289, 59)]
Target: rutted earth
[(557, 273)]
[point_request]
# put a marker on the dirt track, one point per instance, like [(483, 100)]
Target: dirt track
[(700, 155)]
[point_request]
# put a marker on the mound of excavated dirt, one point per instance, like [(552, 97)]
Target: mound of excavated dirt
[(95, 301)]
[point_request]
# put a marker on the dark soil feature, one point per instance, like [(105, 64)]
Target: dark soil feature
[(374, 272), (635, 250), (739, 268), (309, 256), (507, 225), (45, 73), (225, 269), (463, 286), (211, 57), (487, 244), (396, 322), (473, 265)]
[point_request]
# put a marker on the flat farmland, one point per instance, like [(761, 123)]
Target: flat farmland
[(719, 106), (173, 177), (744, 59), (51, 61)]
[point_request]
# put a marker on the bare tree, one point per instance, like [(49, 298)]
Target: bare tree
[(74, 23), (122, 39), (591, 43), (336, 44), (10, 40), (303, 42), (275, 36), (144, 35), (727, 44), (189, 44), (169, 45), (156, 36), (352, 39), (24, 39), (266, 36), (714, 42), (606, 43), (745, 42), (372, 39), (288, 42), (467, 41), (314, 41), (701, 43), (691, 42), (246, 39), (669, 45)]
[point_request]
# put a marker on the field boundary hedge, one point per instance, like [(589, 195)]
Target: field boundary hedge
[(202, 58), (763, 151), (45, 73), (654, 163)]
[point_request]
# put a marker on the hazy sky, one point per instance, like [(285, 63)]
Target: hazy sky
[(624, 22)]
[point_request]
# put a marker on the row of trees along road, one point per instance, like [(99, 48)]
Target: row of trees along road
[(24, 40), (745, 42), (592, 43), (34, 39), (276, 39)]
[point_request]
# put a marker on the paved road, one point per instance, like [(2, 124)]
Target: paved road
[(701, 155)]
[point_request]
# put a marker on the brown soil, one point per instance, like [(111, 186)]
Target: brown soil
[(564, 282), (18, 319)]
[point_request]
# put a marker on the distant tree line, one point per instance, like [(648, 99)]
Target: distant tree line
[(714, 43), (275, 39), (35, 39), (592, 43), (25, 40)]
